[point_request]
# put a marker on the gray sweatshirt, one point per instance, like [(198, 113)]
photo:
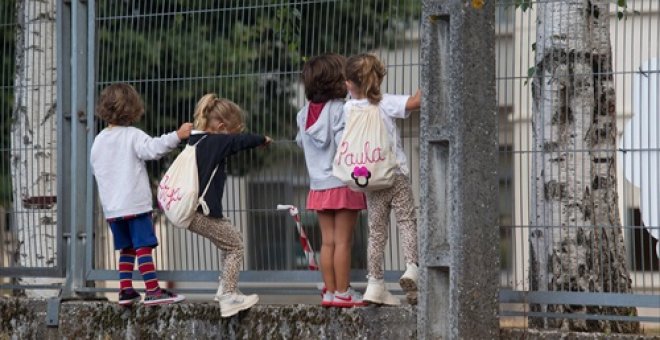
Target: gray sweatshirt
[(320, 143)]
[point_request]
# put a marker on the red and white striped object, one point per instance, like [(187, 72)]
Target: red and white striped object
[(304, 242)]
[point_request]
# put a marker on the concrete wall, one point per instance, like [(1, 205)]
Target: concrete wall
[(25, 319)]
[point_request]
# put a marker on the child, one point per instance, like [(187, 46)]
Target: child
[(218, 125), (320, 124), (364, 74), (117, 159)]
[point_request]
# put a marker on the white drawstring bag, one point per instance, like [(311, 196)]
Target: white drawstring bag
[(178, 190), (365, 160)]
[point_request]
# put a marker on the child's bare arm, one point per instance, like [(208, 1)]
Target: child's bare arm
[(414, 101)]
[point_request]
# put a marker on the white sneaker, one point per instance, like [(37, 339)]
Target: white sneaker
[(408, 282), (231, 304), (327, 299), (378, 294), (349, 298), (218, 294)]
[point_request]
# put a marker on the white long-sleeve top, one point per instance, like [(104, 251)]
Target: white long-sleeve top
[(118, 162)]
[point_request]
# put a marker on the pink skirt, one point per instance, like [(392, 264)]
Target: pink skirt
[(335, 199)]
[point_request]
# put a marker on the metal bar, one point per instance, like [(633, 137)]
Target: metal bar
[(88, 242), (580, 298), (266, 276), (63, 106), (79, 146), (582, 316), (31, 271)]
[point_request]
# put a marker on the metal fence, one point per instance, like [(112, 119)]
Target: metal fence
[(635, 33), (252, 52), (30, 240)]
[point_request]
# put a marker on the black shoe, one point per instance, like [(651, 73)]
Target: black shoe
[(162, 298), (128, 297)]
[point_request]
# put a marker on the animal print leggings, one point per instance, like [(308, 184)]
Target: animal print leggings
[(379, 204), (226, 237)]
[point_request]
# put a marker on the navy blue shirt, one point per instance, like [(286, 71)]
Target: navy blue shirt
[(213, 151)]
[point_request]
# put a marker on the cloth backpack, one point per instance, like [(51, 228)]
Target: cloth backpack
[(365, 160), (178, 190)]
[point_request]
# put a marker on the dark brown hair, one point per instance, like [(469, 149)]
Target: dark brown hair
[(120, 104), (323, 78), (211, 107), (366, 71)]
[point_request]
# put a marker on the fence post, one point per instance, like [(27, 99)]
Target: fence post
[(459, 238), (76, 64)]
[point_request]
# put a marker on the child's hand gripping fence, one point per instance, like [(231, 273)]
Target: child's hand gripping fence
[(307, 247)]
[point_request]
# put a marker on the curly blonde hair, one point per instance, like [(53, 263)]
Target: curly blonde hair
[(120, 104)]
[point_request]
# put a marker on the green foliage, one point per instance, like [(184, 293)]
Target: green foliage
[(530, 73), (523, 4), (623, 11)]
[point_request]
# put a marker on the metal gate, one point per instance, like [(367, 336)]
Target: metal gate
[(250, 52)]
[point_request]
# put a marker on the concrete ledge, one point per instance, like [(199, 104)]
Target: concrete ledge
[(26, 319)]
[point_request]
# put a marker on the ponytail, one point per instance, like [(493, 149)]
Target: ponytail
[(366, 71), (204, 106), (211, 107)]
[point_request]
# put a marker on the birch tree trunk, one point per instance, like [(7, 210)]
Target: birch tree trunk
[(576, 241), (33, 140)]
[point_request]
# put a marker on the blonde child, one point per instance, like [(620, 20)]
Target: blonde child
[(320, 125), (364, 75), (118, 158), (218, 134)]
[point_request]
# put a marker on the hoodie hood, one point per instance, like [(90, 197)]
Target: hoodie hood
[(321, 133)]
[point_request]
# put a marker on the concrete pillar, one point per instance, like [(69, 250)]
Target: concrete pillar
[(459, 237)]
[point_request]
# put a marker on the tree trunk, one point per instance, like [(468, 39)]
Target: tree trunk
[(33, 140), (575, 240)]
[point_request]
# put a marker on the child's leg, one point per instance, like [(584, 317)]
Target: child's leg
[(378, 203), (404, 210), (225, 236), (144, 240), (126, 265), (327, 224), (344, 221), (148, 270), (122, 238)]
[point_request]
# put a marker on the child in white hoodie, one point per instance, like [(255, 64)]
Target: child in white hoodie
[(320, 125)]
